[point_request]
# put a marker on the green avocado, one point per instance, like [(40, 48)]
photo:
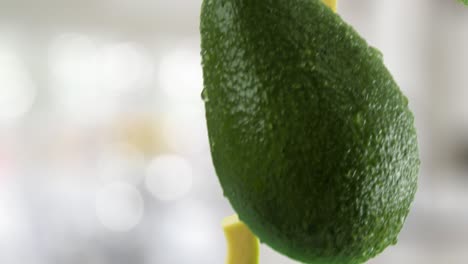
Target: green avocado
[(311, 138)]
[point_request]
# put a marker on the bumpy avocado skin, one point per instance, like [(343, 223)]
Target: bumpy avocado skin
[(312, 140)]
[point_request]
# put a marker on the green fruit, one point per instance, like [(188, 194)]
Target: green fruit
[(311, 138)]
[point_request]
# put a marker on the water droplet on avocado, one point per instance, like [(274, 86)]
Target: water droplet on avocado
[(204, 96)]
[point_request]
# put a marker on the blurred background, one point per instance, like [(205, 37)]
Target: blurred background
[(103, 146)]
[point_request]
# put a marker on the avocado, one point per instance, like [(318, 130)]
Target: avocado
[(312, 140)]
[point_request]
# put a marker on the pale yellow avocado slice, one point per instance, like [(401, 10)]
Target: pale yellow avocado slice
[(331, 4), (242, 245)]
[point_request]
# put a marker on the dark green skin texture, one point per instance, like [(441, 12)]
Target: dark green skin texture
[(311, 138)]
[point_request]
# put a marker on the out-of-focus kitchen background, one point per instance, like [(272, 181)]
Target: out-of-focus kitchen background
[(103, 146)]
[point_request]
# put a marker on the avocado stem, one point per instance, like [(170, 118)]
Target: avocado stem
[(242, 245)]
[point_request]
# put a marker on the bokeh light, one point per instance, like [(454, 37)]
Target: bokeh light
[(13, 223), (17, 90), (169, 177), (74, 61), (119, 206), (75, 79), (184, 130), (180, 75), (125, 66), (121, 162), (89, 76), (190, 227)]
